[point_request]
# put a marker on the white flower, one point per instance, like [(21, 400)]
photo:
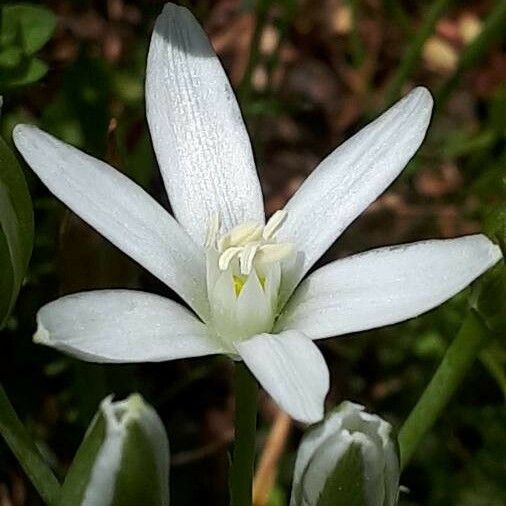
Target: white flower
[(350, 457), (238, 275)]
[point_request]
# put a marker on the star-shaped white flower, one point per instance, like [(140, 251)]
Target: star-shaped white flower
[(239, 275)]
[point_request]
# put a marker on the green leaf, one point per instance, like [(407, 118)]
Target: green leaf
[(31, 25), (6, 277), (346, 484), (78, 476), (24, 29), (29, 72), (16, 229), (19, 441), (10, 57)]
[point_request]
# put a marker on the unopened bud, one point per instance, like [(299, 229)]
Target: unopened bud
[(350, 458), (123, 460)]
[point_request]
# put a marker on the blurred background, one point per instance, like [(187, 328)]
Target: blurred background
[(308, 75)]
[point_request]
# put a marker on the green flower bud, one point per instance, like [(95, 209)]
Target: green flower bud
[(123, 460), (350, 458)]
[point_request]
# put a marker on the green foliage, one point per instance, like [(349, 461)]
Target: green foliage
[(436, 9), (79, 113), (31, 26), (16, 229), (491, 32), (24, 30), (22, 445), (78, 475), (494, 224)]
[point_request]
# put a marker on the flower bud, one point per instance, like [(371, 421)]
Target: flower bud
[(123, 460), (350, 458)]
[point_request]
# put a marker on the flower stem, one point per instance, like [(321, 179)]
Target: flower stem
[(458, 359), (493, 362), (241, 472), (21, 444)]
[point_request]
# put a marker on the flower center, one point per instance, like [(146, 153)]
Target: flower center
[(243, 276), (251, 244)]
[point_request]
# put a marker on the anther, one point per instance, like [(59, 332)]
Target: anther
[(227, 256), (269, 253), (245, 233), (247, 256), (274, 223)]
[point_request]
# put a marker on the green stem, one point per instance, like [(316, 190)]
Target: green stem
[(357, 48), (283, 25), (413, 51), (398, 15), (21, 444), (492, 361), (262, 10), (241, 472), (458, 359)]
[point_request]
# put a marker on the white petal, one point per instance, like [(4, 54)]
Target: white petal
[(391, 472), (120, 210), (123, 326), (198, 133), (291, 369), (100, 489), (352, 177), (254, 309), (385, 285), (223, 304), (272, 274), (314, 438), (315, 476), (325, 435)]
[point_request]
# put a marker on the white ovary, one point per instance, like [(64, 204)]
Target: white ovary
[(244, 269)]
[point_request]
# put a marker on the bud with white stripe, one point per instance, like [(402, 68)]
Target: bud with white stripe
[(350, 458), (123, 460)]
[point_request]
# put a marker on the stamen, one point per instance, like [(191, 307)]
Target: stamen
[(245, 233), (274, 223), (212, 230), (247, 256), (223, 243), (226, 257), (253, 244), (269, 253)]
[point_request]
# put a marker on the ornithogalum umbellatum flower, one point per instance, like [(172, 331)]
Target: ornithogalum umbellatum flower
[(241, 277)]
